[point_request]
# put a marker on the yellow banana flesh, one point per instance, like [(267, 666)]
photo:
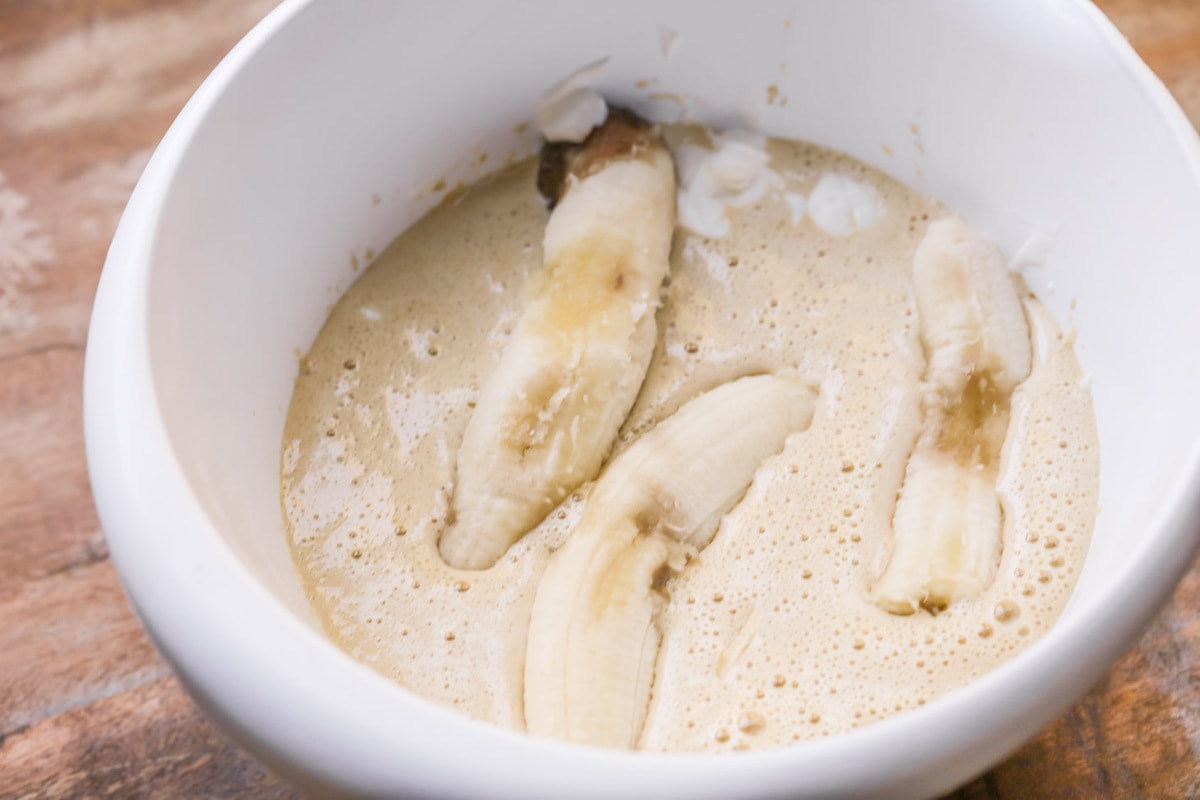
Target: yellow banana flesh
[(948, 523), (548, 415), (593, 635)]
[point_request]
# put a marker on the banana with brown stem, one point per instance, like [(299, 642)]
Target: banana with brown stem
[(548, 416)]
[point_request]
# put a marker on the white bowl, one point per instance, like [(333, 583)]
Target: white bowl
[(320, 136)]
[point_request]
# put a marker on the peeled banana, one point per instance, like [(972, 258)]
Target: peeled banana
[(593, 634), (948, 523), (547, 417)]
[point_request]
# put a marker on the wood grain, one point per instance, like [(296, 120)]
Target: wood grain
[(87, 708), (146, 742)]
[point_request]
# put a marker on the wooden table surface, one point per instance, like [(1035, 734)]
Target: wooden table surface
[(87, 708)]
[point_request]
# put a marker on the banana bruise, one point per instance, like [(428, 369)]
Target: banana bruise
[(948, 523), (593, 635), (549, 414)]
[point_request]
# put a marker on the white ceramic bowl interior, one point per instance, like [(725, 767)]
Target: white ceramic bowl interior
[(319, 138)]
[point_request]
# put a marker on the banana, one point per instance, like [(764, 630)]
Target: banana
[(948, 523), (547, 417), (593, 633)]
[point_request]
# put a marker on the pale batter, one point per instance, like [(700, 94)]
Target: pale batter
[(770, 636)]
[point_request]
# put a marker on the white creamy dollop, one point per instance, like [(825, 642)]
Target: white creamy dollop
[(841, 205), (569, 110), (735, 172), (1035, 250)]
